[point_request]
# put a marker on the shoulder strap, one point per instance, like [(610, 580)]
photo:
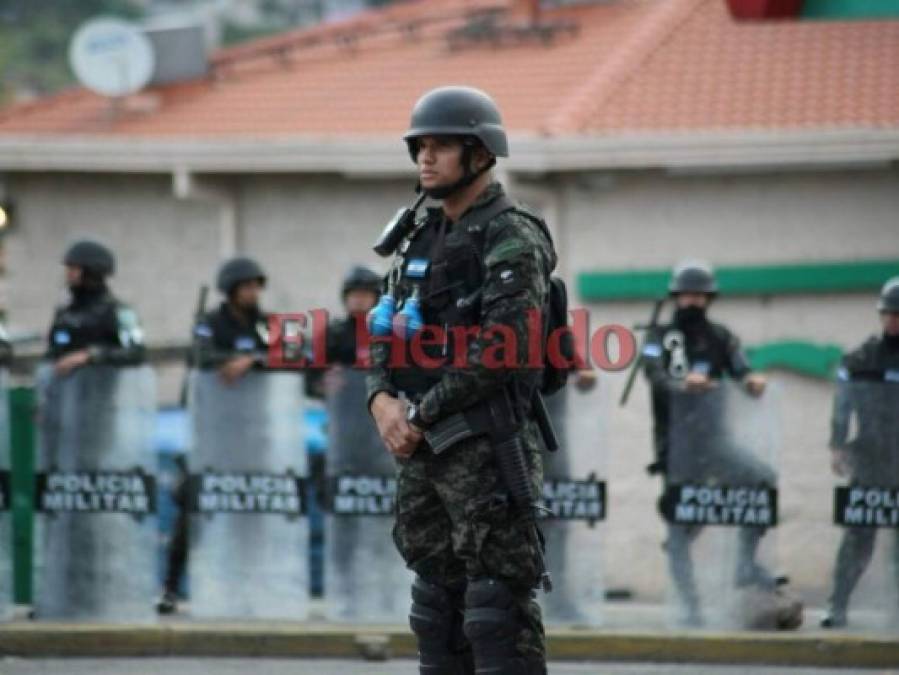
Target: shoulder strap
[(473, 224), (476, 220), (538, 221), (480, 217)]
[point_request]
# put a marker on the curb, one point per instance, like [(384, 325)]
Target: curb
[(190, 639)]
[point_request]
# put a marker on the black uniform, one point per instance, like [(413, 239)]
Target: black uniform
[(95, 320), (222, 335), (868, 389), (706, 347), (341, 349), (219, 337), (691, 343)]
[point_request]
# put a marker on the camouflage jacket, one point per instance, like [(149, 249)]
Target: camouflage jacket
[(499, 270)]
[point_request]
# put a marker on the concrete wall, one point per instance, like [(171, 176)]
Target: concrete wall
[(651, 220), (307, 230), (164, 248)]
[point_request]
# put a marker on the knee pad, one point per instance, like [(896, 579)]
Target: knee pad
[(432, 614), (490, 611), (492, 625), (436, 620)]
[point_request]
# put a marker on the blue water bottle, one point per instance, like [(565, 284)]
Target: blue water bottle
[(409, 320), (380, 318)]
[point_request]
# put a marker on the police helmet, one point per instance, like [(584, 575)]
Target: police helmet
[(360, 278), (91, 256), (693, 277), (236, 271), (889, 296), (458, 111)]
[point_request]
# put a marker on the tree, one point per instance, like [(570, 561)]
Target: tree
[(34, 41)]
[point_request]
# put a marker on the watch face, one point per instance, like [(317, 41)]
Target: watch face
[(410, 412)]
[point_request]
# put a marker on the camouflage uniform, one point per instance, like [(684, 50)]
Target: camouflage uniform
[(454, 522)]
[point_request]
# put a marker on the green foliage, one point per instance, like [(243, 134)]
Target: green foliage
[(35, 35), (233, 33), (34, 40)]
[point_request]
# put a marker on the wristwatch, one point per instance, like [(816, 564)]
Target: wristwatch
[(414, 418)]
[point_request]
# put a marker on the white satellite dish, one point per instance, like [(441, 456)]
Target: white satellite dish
[(111, 57)]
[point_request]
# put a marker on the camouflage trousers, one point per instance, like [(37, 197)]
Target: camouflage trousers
[(454, 522)]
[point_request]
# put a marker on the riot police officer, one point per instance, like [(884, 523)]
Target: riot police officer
[(233, 339), (93, 394), (95, 327), (359, 293), (692, 354), (866, 378), (479, 262), (349, 433)]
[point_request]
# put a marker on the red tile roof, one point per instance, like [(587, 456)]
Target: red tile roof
[(710, 72), (632, 65)]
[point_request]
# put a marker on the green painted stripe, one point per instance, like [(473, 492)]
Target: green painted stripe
[(22, 433), (850, 9), (806, 358), (819, 277)]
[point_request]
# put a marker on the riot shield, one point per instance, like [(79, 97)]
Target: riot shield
[(249, 539), (720, 501), (865, 580), (574, 493), (95, 525), (6, 554), (366, 580)]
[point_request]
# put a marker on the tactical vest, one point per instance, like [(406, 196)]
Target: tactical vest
[(703, 350), (80, 326), (445, 261)]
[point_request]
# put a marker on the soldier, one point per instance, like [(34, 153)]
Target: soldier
[(866, 375), (233, 339), (693, 354), (482, 263), (95, 327)]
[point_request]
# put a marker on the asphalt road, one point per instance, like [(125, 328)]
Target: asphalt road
[(199, 666)]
